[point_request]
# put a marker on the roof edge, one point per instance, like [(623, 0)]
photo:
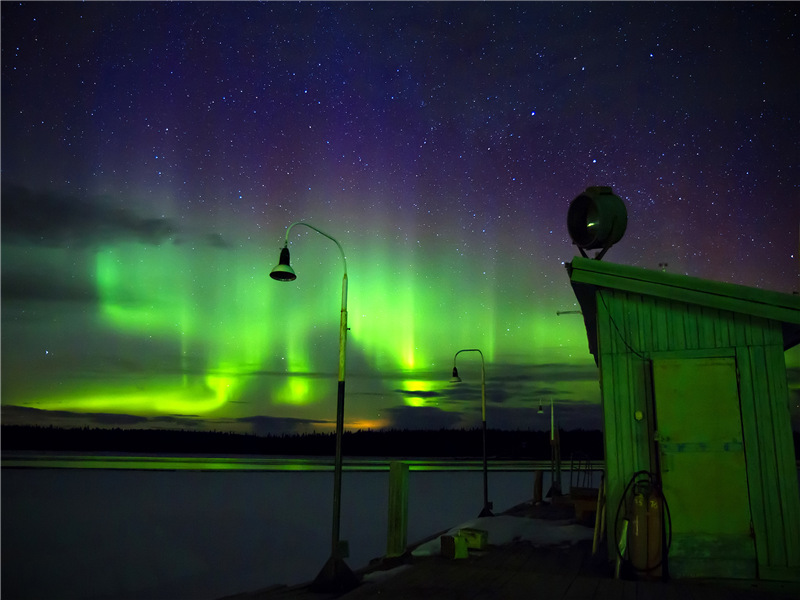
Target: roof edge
[(692, 290)]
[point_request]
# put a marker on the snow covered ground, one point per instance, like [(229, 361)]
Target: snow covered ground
[(97, 534), (504, 529), (501, 529)]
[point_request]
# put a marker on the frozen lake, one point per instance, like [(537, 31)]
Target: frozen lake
[(95, 533)]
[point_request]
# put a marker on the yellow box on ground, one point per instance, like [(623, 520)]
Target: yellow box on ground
[(454, 546), (476, 539)]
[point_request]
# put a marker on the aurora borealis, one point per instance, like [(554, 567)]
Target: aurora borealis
[(153, 155)]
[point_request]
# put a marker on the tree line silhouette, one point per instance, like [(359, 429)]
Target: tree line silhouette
[(442, 443)]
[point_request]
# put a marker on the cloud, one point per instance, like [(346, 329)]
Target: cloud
[(419, 393), (57, 220), (25, 415), (260, 425), (514, 418), (576, 415), (21, 415), (544, 372), (53, 286), (421, 417), (469, 392), (265, 425), (110, 418), (182, 420), (215, 240), (508, 373)]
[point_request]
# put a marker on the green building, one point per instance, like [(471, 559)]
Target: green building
[(694, 391)]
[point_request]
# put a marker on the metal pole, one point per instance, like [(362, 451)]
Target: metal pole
[(487, 506), (337, 467), (335, 575)]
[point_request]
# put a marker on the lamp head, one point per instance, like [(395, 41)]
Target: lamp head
[(283, 270), (455, 378), (541, 410)]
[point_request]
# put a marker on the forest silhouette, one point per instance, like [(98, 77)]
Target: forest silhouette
[(453, 443)]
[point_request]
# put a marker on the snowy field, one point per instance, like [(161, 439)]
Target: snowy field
[(103, 534)]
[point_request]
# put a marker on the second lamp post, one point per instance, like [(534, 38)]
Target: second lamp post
[(487, 506)]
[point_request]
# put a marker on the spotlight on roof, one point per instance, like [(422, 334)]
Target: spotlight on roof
[(596, 219)]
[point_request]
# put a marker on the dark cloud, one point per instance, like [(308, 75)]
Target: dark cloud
[(514, 373), (181, 420), (418, 393), (471, 392), (265, 425), (569, 416), (421, 417), (57, 220), (111, 418), (215, 240), (20, 414), (575, 415), (25, 415), (50, 286), (544, 372), (544, 392)]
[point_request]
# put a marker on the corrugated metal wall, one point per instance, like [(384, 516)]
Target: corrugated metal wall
[(631, 328)]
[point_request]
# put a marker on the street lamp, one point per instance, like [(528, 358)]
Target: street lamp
[(555, 452), (555, 440), (335, 576), (487, 506)]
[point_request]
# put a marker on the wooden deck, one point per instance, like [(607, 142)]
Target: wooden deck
[(523, 570)]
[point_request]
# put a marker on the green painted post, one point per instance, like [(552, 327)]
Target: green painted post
[(398, 509)]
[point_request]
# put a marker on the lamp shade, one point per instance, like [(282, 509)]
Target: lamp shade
[(455, 378), (597, 218), (283, 270)]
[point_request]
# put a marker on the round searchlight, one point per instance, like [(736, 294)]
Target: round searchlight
[(596, 219)]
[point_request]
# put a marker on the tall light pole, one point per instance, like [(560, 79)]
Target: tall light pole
[(487, 506), (555, 438), (335, 575), (555, 453)]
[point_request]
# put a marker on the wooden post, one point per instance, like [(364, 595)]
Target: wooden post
[(537, 487), (599, 515), (398, 509)]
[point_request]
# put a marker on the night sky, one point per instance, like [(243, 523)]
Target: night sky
[(154, 154)]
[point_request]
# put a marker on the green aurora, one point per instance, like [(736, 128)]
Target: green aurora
[(202, 332)]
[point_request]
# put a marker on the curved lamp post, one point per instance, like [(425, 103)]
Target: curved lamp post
[(555, 453), (487, 506), (555, 439), (335, 576)]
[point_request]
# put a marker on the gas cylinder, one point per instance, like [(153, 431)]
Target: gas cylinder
[(655, 508), (637, 531)]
